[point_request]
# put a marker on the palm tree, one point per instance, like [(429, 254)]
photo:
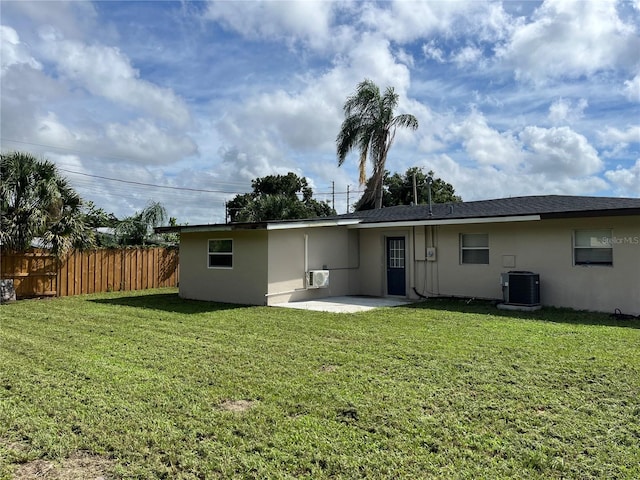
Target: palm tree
[(137, 229), (370, 126), (36, 201)]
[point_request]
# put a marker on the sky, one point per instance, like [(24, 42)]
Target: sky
[(185, 103)]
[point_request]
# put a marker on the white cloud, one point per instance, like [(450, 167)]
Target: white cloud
[(536, 161), (404, 22), (632, 88), (431, 51), (486, 145), (50, 131), (141, 140), (371, 57), (480, 182), (570, 38), (618, 140), (98, 90), (284, 125), (560, 151), (248, 165), (467, 55), (14, 52), (615, 136), (107, 72), (76, 19), (563, 110), (626, 181), (43, 112), (290, 21), (405, 57)]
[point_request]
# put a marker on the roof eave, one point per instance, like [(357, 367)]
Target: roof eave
[(286, 225), (314, 224), (619, 212), (449, 221)]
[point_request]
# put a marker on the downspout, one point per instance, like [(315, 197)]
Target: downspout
[(306, 255), (415, 264)]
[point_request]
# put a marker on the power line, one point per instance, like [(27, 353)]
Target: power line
[(131, 182), (74, 150)]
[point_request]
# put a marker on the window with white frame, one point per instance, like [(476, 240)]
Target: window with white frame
[(592, 247), (220, 253), (474, 248)]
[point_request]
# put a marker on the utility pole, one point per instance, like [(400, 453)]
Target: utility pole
[(415, 190), (333, 194), (348, 198), (429, 183)]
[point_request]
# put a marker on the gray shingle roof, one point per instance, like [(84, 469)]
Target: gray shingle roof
[(547, 206)]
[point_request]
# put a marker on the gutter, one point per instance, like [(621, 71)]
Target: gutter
[(451, 221)]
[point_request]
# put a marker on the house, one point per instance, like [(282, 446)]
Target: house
[(586, 251)]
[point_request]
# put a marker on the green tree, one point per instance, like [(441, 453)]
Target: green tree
[(96, 217), (138, 228), (277, 197), (172, 238), (399, 188), (36, 201), (370, 126)]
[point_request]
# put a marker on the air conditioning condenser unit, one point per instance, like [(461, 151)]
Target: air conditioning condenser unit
[(520, 288), (318, 279)]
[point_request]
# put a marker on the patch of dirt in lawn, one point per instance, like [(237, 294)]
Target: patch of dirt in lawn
[(237, 405), (80, 466), (15, 446), (328, 368)]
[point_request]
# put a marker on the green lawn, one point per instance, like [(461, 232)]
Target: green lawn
[(167, 388)]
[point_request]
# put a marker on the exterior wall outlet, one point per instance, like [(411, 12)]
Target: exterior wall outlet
[(431, 254)]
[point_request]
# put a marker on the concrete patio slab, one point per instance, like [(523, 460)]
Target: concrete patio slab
[(346, 304)]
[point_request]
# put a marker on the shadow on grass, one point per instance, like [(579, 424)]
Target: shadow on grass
[(546, 314), (169, 302)]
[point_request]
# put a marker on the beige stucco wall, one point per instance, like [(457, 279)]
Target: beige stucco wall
[(371, 277), (328, 248), (543, 247), (269, 266), (245, 283)]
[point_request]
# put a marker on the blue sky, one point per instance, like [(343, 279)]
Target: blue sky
[(186, 102)]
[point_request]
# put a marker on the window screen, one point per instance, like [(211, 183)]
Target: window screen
[(592, 247), (221, 253), (474, 248)]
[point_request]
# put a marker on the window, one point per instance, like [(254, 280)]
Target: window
[(474, 248), (221, 253), (592, 247), (396, 252)]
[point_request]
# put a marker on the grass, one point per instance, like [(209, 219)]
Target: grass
[(442, 389)]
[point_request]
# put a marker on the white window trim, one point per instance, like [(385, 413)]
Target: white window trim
[(576, 247), (209, 254), (463, 248)]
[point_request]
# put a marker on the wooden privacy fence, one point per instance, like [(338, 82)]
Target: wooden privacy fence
[(38, 273)]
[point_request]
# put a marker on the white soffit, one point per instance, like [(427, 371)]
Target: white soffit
[(206, 228), (452, 221), (329, 223), (356, 223)]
